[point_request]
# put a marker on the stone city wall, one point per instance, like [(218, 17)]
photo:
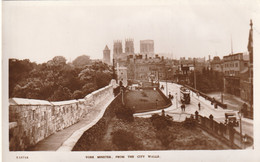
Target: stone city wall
[(30, 121)]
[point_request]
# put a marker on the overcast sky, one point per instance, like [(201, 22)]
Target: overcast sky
[(44, 29)]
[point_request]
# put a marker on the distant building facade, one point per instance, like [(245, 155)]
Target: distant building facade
[(150, 69), (122, 75), (233, 66), (216, 64), (106, 55)]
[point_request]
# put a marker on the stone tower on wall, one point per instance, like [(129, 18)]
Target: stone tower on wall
[(118, 49), (129, 47), (106, 55)]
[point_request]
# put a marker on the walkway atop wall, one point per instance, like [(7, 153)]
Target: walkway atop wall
[(55, 141)]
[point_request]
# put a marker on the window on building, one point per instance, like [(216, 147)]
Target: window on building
[(236, 64)]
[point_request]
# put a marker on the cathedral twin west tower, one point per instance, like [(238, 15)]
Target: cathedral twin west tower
[(146, 50)]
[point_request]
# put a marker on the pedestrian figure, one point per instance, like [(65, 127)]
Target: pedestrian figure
[(163, 113), (216, 105), (182, 107), (162, 88), (199, 105)]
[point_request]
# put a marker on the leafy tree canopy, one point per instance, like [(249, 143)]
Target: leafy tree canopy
[(81, 61), (55, 80)]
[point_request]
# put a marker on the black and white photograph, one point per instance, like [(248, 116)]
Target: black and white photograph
[(130, 80)]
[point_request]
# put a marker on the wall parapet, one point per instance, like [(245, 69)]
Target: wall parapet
[(38, 119)]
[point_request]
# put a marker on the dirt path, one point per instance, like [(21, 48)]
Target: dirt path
[(107, 136)]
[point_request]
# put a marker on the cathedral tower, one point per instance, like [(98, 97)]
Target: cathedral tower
[(118, 49), (129, 46), (106, 55)]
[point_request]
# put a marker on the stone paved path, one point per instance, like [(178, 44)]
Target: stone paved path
[(55, 141)]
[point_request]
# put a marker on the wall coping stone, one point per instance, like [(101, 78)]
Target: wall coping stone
[(25, 101), (34, 102), (58, 103), (81, 100), (12, 125)]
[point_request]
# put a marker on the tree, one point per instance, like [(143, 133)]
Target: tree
[(63, 93), (77, 94), (55, 80), (57, 61), (81, 61), (18, 69)]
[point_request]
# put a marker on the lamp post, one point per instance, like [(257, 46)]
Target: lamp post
[(176, 100), (166, 88), (166, 84), (122, 91), (169, 70), (223, 90), (240, 120), (194, 64)]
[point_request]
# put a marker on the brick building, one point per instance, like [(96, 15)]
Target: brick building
[(216, 64), (234, 66)]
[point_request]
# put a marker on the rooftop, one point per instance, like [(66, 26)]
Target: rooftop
[(106, 48)]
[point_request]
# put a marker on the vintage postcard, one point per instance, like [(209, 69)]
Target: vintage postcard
[(130, 80)]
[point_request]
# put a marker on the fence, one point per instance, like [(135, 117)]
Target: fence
[(223, 132)]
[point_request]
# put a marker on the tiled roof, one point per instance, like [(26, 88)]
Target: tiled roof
[(106, 48)]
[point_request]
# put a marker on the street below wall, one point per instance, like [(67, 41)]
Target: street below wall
[(233, 102), (206, 109)]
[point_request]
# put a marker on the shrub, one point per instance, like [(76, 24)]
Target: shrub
[(165, 137), (125, 113), (161, 122), (189, 123), (92, 136), (144, 94), (125, 140), (143, 100)]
